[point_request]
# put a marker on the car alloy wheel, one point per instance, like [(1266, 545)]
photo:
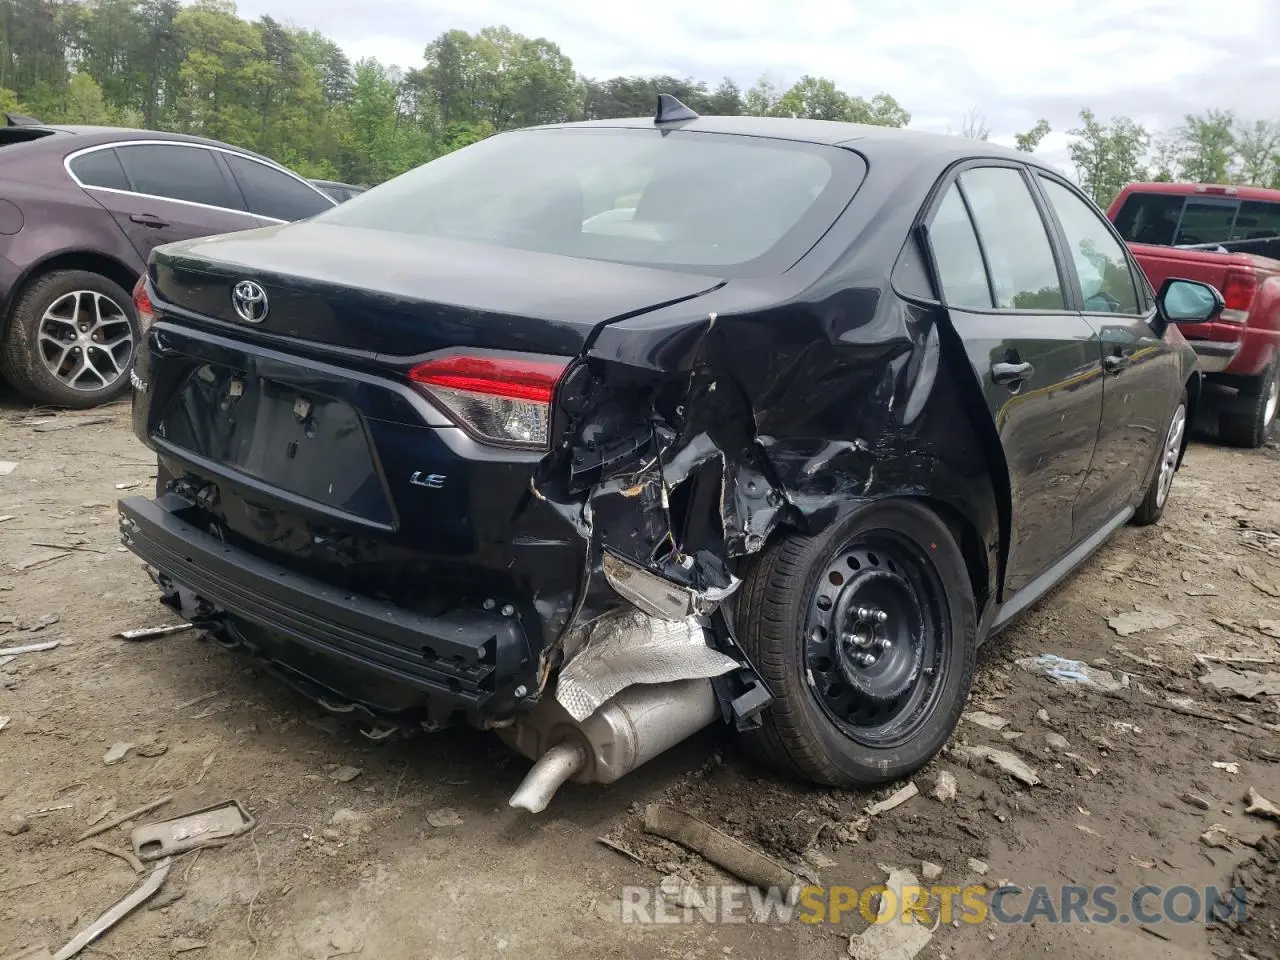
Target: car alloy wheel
[(876, 639), (1169, 456), (86, 340)]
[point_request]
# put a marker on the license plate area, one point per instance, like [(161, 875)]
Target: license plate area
[(301, 442)]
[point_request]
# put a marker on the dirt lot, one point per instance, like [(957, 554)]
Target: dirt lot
[(428, 862)]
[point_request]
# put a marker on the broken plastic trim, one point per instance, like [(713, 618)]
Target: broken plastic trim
[(660, 597)]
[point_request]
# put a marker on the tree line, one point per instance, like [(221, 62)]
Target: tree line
[(294, 95)]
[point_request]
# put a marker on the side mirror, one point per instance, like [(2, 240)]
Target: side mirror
[(1188, 301)]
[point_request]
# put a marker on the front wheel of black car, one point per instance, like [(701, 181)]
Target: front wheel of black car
[(866, 635), (71, 340), (1248, 422)]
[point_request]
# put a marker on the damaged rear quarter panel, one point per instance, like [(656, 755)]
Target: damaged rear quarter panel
[(693, 432)]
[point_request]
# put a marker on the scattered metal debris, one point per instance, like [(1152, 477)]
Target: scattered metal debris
[(1137, 621), (115, 914), (124, 817), (897, 799), (988, 721), (1247, 684), (4, 722), (117, 752), (47, 811), (944, 787), (195, 701), (106, 808), (1067, 672), (345, 773), (29, 648), (210, 826), (68, 546), (187, 944), (895, 933), (721, 849), (1003, 759), (30, 564), (1260, 806), (67, 423), (617, 846), (149, 633)]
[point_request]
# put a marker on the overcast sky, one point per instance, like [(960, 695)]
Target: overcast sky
[(1014, 60)]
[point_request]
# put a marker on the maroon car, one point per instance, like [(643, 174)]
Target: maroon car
[(80, 210)]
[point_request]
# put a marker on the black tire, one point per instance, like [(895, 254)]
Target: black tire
[(1250, 419), (1157, 496), (801, 736), (24, 365)]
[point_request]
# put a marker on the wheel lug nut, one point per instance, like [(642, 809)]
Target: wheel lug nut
[(881, 616), (866, 659), (884, 643), (864, 613)]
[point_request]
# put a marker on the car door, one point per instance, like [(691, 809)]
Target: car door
[(1141, 370), (160, 192), (1037, 359), (272, 192)]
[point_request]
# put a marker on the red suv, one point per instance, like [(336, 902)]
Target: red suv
[(80, 210), (1228, 237)]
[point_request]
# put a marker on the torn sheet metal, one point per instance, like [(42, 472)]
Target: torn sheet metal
[(211, 826), (660, 597), (629, 647)]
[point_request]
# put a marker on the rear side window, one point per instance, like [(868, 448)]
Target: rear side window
[(1106, 283), (1256, 220), (178, 173), (956, 253), (1024, 273), (738, 206), (272, 193), (101, 168), (1149, 218)]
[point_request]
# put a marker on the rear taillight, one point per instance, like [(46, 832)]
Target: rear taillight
[(501, 400), (1238, 292), (142, 305)]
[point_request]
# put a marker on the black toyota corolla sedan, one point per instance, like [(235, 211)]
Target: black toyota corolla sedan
[(595, 434)]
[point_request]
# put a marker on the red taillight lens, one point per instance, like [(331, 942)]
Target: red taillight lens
[(502, 400), (142, 305), (1239, 290)]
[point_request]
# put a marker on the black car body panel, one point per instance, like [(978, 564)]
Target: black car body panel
[(698, 415)]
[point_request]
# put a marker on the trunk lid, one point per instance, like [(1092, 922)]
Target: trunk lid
[(398, 295)]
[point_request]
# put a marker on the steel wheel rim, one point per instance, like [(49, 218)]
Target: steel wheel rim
[(1273, 401), (1169, 456), (876, 641), (85, 340)]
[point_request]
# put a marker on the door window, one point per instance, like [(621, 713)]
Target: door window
[(178, 173), (101, 168), (957, 255), (274, 193), (1102, 269), (1012, 233)]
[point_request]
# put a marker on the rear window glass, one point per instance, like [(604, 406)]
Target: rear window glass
[(1168, 220), (664, 198), (101, 168)]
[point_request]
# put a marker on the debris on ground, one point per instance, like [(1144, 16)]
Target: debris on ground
[(988, 721), (124, 855), (1270, 627), (1138, 621), (67, 423), (1217, 836), (1067, 672), (124, 817), (1228, 765), (117, 752), (1196, 801), (4, 722), (114, 915), (48, 620), (17, 824), (1260, 806), (29, 648), (205, 765), (345, 773), (930, 871), (944, 786), (7, 467), (149, 746), (1002, 759), (1247, 684), (148, 633), (444, 817), (187, 944), (721, 849), (210, 826), (1043, 715), (896, 799), (1057, 742), (1255, 578), (895, 933), (977, 866)]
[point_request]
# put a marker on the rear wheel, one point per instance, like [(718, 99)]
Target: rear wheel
[(1248, 422), (71, 340), (1152, 507), (866, 635)]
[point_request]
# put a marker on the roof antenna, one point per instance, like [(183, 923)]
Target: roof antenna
[(670, 110)]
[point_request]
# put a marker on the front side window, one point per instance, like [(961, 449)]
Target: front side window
[(1024, 273), (178, 173), (1106, 283), (654, 197), (273, 193)]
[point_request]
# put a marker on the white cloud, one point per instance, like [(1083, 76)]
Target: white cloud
[(1153, 60)]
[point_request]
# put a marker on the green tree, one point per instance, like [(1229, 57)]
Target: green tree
[(1107, 156), (1208, 146), (815, 98), (882, 111), (1028, 141), (83, 103), (726, 101), (762, 99), (1258, 147)]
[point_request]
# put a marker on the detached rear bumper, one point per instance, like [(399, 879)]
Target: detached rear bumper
[(1215, 355), (464, 660)]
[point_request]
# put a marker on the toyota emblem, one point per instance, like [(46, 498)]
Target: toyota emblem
[(250, 301)]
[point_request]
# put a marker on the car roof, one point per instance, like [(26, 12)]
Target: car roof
[(67, 138), (868, 138)]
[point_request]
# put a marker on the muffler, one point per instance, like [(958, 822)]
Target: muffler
[(630, 728)]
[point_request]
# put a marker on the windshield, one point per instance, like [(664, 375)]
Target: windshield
[(1169, 220), (646, 196)]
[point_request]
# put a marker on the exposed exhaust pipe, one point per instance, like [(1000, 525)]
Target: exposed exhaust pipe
[(631, 728)]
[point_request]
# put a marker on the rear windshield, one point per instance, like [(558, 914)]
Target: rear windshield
[(678, 199), (1175, 221)]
